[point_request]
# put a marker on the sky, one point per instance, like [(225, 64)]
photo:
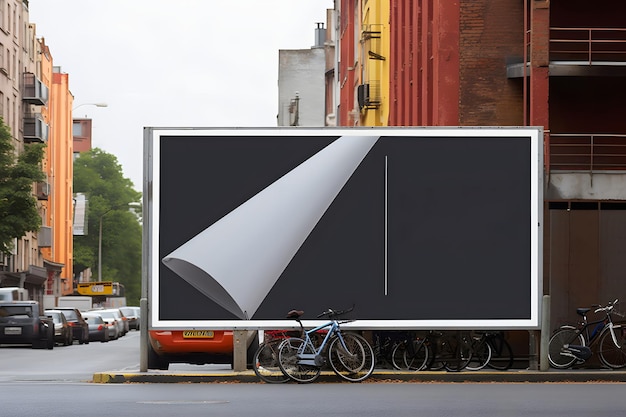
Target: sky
[(164, 63)]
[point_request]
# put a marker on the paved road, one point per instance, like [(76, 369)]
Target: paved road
[(68, 363), (34, 399), (46, 383)]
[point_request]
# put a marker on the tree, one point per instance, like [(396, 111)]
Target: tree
[(112, 200), (18, 207)]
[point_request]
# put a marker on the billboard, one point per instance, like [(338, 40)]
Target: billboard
[(415, 227)]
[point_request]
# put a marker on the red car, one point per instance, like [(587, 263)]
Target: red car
[(193, 346)]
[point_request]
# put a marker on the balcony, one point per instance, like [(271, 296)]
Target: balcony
[(585, 152), (588, 46), (35, 92), (369, 96), (576, 51), (35, 129)]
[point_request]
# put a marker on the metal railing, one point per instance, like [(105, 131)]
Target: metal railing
[(586, 152), (588, 45)]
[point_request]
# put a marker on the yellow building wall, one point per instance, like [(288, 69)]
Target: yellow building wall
[(375, 18)]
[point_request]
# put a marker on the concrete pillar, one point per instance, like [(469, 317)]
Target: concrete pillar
[(240, 349)]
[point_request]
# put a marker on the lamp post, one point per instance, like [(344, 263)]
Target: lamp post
[(100, 244), (130, 205)]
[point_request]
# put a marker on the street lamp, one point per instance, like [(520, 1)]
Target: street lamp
[(91, 104)]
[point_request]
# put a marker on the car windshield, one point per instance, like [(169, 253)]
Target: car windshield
[(70, 314), (128, 312), (6, 311), (56, 317), (107, 314), (93, 319)]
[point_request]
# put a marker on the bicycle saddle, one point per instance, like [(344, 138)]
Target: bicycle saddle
[(582, 311), (295, 314)]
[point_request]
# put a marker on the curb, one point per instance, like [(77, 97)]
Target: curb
[(522, 376)]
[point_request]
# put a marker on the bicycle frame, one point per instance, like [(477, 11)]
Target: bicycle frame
[(599, 328), (592, 336), (309, 358)]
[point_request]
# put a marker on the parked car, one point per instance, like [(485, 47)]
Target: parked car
[(20, 323), (132, 314), (62, 329), (80, 328), (98, 330), (113, 316), (113, 329), (194, 346), (124, 319)]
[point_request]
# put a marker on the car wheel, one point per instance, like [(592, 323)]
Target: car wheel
[(155, 361)]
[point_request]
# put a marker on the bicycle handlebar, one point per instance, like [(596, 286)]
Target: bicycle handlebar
[(330, 313), (608, 308)]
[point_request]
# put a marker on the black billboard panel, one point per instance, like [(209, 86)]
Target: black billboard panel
[(416, 227)]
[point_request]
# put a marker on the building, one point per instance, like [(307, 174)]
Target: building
[(81, 132), (35, 104), (301, 84), (22, 96), (557, 64), (60, 203)]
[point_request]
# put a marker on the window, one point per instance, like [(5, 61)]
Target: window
[(77, 129)]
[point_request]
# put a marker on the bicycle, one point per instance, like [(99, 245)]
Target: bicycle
[(450, 350), (350, 356), (412, 353), (385, 346), (265, 359), (490, 349), (570, 344)]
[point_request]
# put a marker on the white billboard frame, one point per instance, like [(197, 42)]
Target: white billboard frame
[(152, 196)]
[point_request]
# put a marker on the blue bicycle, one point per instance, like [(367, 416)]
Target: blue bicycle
[(350, 356)]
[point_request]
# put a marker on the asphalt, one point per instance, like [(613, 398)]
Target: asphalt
[(379, 375)]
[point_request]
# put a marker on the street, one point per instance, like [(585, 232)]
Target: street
[(58, 382), (344, 399)]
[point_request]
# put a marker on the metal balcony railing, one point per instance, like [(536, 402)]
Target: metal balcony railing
[(585, 152), (588, 45)]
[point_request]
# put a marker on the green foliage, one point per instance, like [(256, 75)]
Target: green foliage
[(112, 200), (18, 206)]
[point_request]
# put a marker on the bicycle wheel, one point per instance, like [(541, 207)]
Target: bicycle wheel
[(611, 355), (265, 363), (566, 335), (416, 355), (356, 362), (288, 360), (437, 349), (481, 354), (397, 356), (501, 353), (459, 353)]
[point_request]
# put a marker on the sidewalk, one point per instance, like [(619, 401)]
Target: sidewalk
[(381, 375)]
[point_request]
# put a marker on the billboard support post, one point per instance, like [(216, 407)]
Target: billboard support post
[(240, 338), (545, 333)]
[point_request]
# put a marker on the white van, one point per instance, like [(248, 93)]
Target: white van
[(13, 294)]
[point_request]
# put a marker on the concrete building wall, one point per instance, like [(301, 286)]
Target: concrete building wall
[(301, 87)]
